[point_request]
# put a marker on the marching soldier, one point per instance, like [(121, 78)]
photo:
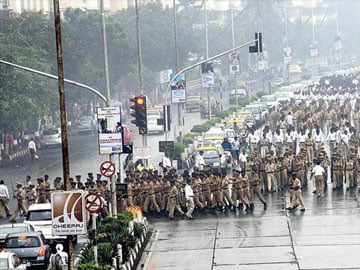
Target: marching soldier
[(270, 169), (349, 173), (20, 196), (255, 188), (150, 198), (297, 196), (57, 184), (40, 189), (47, 187), (218, 197), (173, 193), (130, 192), (196, 186), (336, 169)]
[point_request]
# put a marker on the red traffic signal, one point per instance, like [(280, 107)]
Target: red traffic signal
[(139, 107)]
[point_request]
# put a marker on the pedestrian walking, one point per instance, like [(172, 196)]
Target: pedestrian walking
[(319, 173), (32, 150), (4, 200), (189, 196)]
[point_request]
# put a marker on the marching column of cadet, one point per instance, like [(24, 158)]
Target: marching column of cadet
[(301, 141)]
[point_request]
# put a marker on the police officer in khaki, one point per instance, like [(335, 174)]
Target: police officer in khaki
[(41, 191), (297, 196), (47, 187), (20, 196), (255, 188), (173, 194)]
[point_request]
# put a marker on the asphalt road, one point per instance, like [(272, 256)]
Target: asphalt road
[(325, 236)]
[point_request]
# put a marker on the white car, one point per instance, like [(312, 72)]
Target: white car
[(50, 137), (39, 216), (9, 260), (86, 124)]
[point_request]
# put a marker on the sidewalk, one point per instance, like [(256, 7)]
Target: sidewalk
[(7, 159)]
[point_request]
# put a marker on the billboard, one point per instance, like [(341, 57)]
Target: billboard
[(68, 213), (109, 130), (178, 89)]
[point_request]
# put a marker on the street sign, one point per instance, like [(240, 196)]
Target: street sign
[(93, 203), (234, 60), (208, 80), (165, 75), (110, 136), (67, 211), (107, 169), (166, 146)]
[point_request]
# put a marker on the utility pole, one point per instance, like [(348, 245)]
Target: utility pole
[(141, 83), (108, 103), (207, 54), (180, 105), (64, 138)]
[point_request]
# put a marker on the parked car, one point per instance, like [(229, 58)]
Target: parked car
[(39, 216), (276, 82), (30, 246), (11, 228), (10, 260), (50, 137), (86, 124)]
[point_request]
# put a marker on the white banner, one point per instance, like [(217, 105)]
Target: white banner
[(143, 152)]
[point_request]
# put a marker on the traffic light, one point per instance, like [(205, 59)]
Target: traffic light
[(139, 113), (207, 68), (258, 44)]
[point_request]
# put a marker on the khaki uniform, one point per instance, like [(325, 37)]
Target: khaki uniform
[(349, 173), (150, 198), (47, 187), (130, 194), (218, 197), (41, 193), (226, 192), (297, 196), (270, 169), (255, 188), (20, 196), (196, 186), (173, 194)]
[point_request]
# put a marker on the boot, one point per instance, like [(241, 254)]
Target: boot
[(265, 205), (252, 206), (240, 206), (248, 208)]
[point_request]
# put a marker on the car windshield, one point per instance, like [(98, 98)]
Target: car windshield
[(22, 242), (50, 132), (268, 98), (39, 215), (4, 263), (210, 154)]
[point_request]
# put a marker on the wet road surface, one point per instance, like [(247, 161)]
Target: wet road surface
[(325, 236)]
